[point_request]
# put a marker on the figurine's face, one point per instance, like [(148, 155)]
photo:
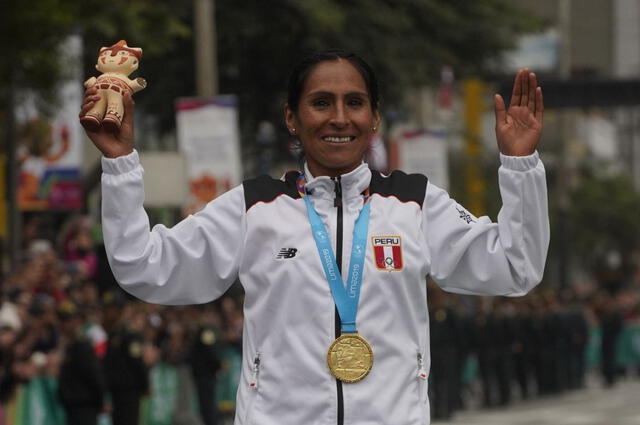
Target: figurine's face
[(121, 61)]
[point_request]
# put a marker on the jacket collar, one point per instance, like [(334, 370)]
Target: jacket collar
[(353, 183)]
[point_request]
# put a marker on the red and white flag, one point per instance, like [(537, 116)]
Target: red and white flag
[(388, 252)]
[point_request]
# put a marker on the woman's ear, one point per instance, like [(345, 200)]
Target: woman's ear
[(289, 118)]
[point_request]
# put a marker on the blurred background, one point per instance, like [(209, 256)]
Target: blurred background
[(211, 116)]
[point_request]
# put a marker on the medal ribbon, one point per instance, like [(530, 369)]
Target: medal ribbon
[(345, 298)]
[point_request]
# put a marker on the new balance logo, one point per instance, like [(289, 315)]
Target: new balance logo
[(287, 253)]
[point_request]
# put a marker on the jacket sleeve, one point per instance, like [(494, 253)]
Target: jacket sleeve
[(472, 255), (194, 262)]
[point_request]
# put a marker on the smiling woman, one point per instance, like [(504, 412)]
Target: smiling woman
[(333, 115), (336, 331)]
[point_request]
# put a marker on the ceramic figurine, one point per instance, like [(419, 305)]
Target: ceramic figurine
[(116, 63)]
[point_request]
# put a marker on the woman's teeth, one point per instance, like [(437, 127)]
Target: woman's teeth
[(334, 139)]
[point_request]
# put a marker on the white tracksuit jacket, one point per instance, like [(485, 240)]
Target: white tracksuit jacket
[(259, 232)]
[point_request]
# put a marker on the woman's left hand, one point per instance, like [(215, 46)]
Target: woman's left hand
[(519, 128)]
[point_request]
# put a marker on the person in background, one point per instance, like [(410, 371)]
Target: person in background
[(445, 340), (205, 362), (125, 367), (8, 379), (78, 248), (81, 381), (611, 321)]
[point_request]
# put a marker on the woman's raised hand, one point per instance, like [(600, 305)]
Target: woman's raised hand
[(111, 144), (518, 129)]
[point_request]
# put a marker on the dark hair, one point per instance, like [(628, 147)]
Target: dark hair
[(302, 70)]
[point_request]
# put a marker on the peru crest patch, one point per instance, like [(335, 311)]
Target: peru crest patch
[(387, 251)]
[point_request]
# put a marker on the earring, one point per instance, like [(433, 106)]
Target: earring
[(293, 131), (374, 129)]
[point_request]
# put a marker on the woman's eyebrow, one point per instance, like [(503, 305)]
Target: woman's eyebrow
[(333, 94)]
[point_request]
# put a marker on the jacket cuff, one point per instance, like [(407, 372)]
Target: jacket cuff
[(520, 163), (121, 164)]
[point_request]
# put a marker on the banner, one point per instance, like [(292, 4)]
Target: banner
[(424, 152), (208, 137), (50, 150)]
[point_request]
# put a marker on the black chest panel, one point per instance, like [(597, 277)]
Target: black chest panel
[(405, 187), (265, 188)]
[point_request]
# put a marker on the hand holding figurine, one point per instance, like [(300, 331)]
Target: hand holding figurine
[(111, 143), (107, 108)]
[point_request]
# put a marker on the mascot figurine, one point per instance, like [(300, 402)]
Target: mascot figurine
[(115, 63)]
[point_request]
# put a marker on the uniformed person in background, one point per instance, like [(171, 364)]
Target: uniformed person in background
[(554, 334), (563, 344), (461, 306), (81, 382), (504, 339), (522, 347), (611, 321), (126, 367), (579, 328), (444, 346), (204, 359), (537, 339), (484, 347)]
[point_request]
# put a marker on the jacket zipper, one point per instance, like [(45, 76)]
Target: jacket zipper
[(422, 378), (337, 202), (422, 373), (256, 372), (253, 384)]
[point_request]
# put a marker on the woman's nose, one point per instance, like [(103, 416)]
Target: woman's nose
[(339, 117)]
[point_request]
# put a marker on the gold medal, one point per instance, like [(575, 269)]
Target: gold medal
[(350, 358)]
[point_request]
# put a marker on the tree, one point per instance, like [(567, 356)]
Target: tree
[(407, 42), (31, 33), (604, 224)]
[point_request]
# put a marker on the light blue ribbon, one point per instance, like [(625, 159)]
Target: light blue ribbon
[(346, 298)]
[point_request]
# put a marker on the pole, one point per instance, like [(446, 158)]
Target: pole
[(564, 172), (206, 48), (473, 90)]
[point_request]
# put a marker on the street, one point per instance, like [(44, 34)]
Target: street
[(595, 405)]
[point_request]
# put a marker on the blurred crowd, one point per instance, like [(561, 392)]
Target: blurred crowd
[(63, 316), (494, 351)]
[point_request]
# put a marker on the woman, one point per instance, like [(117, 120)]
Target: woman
[(385, 233)]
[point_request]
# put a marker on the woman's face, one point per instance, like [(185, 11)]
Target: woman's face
[(334, 120)]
